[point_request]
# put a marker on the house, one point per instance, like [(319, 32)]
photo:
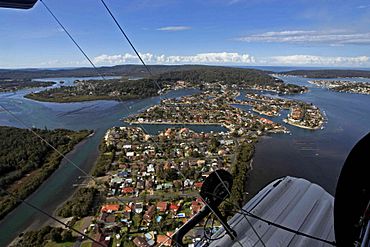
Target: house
[(101, 239), (149, 184), (110, 218), (195, 207), (174, 208), (130, 154), (148, 216), (150, 238), (150, 168), (165, 240), (128, 208), (109, 208), (140, 242), (138, 207), (128, 190), (162, 206), (140, 185)]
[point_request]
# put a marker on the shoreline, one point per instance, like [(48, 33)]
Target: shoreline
[(37, 224), (173, 123), (287, 121)]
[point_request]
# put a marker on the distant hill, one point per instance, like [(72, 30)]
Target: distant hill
[(119, 70), (329, 73)]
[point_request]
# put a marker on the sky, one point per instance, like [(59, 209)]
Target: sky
[(324, 33)]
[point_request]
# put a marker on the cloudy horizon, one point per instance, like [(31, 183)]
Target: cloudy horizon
[(214, 32)]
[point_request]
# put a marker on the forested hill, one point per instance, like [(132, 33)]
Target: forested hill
[(26, 161), (329, 73), (119, 70), (219, 74)]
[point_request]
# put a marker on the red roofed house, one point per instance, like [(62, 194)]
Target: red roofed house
[(128, 190), (164, 240), (128, 208), (195, 207), (174, 208), (109, 208), (162, 206)]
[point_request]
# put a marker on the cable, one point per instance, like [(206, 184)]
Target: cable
[(93, 65), (205, 233), (288, 229), (127, 38), (96, 69), (247, 213), (254, 230), (70, 36), (50, 216)]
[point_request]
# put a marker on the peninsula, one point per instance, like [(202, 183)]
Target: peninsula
[(11, 85), (344, 86), (191, 77)]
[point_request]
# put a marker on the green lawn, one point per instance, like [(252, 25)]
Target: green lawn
[(86, 244), (54, 244)]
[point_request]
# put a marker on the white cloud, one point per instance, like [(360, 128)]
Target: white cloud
[(174, 28), (206, 58), (318, 60), (310, 36)]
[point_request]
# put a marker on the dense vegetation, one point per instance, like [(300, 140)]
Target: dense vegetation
[(104, 161), (116, 89), (123, 89), (46, 234), (329, 73), (26, 161), (14, 85), (219, 74), (239, 170), (80, 205), (119, 70)]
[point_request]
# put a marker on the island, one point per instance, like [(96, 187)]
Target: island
[(328, 73), (26, 161), (11, 85), (344, 86)]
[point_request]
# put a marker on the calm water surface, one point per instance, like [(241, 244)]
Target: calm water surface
[(314, 155)]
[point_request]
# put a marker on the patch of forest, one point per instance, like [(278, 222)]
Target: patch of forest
[(81, 204), (329, 73), (26, 161), (112, 89), (14, 85)]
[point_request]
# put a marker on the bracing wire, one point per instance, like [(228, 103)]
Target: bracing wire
[(249, 214), (51, 216), (127, 38), (254, 230), (72, 39), (96, 69), (93, 65)]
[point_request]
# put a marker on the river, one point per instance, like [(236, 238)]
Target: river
[(314, 155), (96, 115)]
